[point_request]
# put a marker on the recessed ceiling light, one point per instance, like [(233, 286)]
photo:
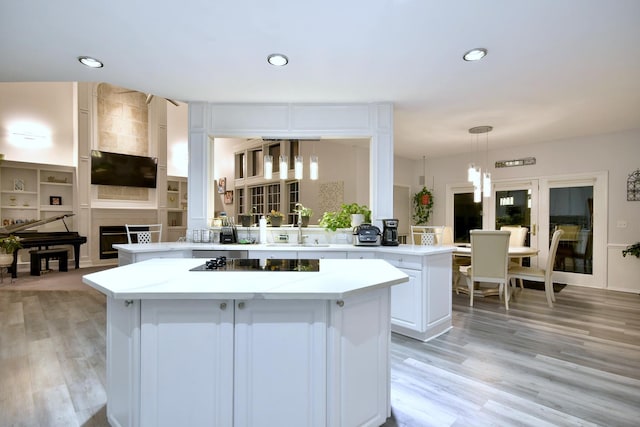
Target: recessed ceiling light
[(475, 54), (277, 59), (90, 62)]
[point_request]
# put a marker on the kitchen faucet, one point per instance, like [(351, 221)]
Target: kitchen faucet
[(298, 210)]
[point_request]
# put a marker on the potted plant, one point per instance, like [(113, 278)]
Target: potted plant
[(275, 218), (8, 245), (357, 213), (632, 250), (305, 214), (422, 206), (245, 219), (343, 218)]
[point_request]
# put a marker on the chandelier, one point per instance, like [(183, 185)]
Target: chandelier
[(481, 181)]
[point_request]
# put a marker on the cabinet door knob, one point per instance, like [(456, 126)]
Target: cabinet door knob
[(340, 303), (241, 305), (128, 302), (223, 306)]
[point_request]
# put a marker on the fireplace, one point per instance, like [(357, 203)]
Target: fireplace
[(111, 235)]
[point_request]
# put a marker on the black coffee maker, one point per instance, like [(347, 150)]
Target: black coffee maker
[(390, 232)]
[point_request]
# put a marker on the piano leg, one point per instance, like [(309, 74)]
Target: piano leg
[(14, 265), (76, 253)]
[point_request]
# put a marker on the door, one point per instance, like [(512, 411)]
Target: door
[(577, 205), (515, 203)]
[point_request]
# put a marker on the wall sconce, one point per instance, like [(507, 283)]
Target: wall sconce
[(268, 166), (284, 167)]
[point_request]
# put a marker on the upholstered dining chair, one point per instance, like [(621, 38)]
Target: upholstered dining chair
[(144, 233), (489, 264), (518, 238), (541, 274)]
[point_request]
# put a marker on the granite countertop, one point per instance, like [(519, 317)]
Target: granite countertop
[(170, 278)]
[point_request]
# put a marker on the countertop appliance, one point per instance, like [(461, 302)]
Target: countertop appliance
[(255, 264), (390, 232), (366, 235)]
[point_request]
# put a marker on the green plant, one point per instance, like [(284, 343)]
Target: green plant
[(422, 206), (342, 218), (276, 214), (10, 244), (305, 211), (632, 250)]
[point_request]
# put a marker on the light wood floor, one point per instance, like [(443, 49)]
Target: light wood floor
[(576, 364)]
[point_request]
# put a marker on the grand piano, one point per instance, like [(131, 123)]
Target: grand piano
[(43, 239)]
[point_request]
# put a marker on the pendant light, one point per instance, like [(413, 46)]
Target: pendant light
[(481, 182), (313, 167), (268, 166), (284, 167), (298, 167)]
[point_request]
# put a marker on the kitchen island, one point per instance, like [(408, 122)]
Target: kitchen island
[(248, 348), (420, 308)]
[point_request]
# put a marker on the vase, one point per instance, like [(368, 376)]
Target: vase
[(6, 259), (356, 219), (305, 220)]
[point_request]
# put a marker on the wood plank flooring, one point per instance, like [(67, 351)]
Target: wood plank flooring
[(575, 364)]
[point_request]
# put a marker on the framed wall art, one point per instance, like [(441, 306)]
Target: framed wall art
[(55, 200), (222, 185), (228, 197), (18, 184)]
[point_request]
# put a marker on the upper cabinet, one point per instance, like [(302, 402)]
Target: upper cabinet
[(31, 192)]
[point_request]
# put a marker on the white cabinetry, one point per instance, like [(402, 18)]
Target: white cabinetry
[(421, 307), (249, 362)]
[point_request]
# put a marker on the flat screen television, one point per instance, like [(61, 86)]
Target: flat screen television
[(123, 169)]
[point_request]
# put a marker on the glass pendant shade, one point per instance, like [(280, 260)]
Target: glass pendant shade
[(470, 172), (313, 168), (268, 167), (477, 194), (298, 167), (284, 167), (486, 184)]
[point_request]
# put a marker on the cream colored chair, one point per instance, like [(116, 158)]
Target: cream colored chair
[(446, 238), (541, 274), (144, 233), (426, 235), (489, 264), (518, 238)]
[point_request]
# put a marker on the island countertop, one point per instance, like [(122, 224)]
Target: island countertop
[(171, 278)]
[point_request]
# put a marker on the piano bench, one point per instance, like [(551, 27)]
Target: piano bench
[(38, 255)]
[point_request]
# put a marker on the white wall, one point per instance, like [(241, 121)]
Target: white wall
[(48, 111), (177, 139)]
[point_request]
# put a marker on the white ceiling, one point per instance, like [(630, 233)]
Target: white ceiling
[(555, 69)]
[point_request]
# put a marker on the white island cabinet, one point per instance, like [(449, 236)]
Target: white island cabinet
[(420, 308), (261, 348)]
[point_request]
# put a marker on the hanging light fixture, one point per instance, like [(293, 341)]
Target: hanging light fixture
[(268, 166), (298, 167), (481, 182), (313, 167), (284, 167)]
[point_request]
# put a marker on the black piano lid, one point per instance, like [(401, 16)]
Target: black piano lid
[(9, 229)]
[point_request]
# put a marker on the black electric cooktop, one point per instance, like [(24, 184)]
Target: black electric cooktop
[(237, 264)]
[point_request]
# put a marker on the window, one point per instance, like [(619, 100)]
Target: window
[(240, 202), (293, 190), (273, 197)]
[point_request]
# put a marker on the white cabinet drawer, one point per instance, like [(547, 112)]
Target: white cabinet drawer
[(361, 255), (403, 261)]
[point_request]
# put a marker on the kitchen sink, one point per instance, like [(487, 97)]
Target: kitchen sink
[(298, 245)]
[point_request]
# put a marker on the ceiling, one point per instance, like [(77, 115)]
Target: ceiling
[(555, 69)]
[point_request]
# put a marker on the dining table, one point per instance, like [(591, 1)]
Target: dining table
[(514, 252)]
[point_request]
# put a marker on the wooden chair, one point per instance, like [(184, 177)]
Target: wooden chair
[(518, 238), (489, 264), (144, 233), (541, 274)]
